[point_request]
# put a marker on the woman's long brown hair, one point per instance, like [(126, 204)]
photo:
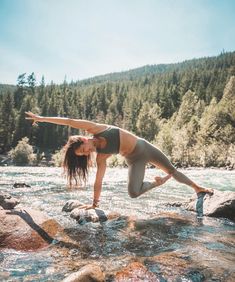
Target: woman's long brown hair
[(76, 167)]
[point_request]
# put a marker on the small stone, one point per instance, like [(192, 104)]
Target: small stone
[(91, 215), (21, 185), (7, 202), (71, 205)]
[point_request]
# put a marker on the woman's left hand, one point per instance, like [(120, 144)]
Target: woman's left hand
[(86, 207), (34, 118)]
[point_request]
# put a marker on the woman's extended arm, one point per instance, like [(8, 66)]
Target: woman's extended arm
[(89, 126), (101, 167)]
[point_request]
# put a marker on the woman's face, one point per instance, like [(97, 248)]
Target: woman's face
[(84, 149)]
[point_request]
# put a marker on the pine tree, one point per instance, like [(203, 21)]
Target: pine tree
[(148, 121), (7, 121)]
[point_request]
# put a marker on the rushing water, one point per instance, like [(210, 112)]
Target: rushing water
[(207, 245)]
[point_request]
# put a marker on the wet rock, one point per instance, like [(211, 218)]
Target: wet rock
[(208, 264), (21, 185), (194, 275), (7, 202), (26, 229), (88, 273), (88, 215), (92, 215), (136, 271), (174, 266), (220, 204), (174, 204), (79, 213), (71, 205), (1, 257)]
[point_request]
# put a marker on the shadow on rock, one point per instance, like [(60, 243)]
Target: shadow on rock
[(30, 230), (29, 220)]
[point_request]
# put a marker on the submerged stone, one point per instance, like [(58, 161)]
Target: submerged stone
[(169, 264), (88, 273), (136, 271)]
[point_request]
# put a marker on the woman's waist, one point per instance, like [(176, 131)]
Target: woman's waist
[(137, 150)]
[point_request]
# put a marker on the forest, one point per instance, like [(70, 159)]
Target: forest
[(186, 109)]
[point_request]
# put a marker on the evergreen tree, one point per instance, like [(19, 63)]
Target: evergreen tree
[(24, 128), (20, 92), (7, 121), (190, 106), (187, 108), (148, 121), (31, 82), (164, 140)]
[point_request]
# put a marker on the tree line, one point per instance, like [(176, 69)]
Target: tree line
[(186, 109)]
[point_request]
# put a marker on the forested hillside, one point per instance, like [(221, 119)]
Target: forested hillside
[(187, 109)]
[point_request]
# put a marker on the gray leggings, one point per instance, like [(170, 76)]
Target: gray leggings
[(144, 153)]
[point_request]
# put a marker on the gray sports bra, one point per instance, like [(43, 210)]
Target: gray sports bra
[(112, 137)]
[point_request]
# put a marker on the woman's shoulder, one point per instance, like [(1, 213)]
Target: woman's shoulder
[(126, 132), (99, 128)]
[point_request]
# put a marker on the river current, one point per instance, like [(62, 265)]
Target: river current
[(207, 244)]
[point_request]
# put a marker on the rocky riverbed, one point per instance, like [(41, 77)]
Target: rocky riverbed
[(145, 239)]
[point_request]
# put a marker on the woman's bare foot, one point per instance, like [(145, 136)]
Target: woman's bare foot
[(161, 180), (204, 190)]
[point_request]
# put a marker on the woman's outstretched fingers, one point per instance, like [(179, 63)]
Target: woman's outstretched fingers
[(29, 115), (32, 117)]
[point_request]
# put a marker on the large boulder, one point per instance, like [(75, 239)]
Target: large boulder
[(26, 229), (220, 204), (88, 273), (7, 202)]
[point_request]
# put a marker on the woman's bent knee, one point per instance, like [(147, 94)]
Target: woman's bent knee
[(133, 194)]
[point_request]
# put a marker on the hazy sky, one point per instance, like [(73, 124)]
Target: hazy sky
[(84, 38)]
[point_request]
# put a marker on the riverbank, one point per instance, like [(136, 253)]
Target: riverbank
[(115, 161)]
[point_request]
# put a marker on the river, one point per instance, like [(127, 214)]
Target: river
[(208, 244)]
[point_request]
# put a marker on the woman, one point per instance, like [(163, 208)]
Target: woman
[(108, 140)]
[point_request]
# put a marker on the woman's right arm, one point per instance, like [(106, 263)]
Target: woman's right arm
[(101, 168), (89, 126)]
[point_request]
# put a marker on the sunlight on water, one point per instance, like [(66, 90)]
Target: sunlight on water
[(48, 193)]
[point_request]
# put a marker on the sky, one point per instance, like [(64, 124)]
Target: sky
[(77, 39)]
